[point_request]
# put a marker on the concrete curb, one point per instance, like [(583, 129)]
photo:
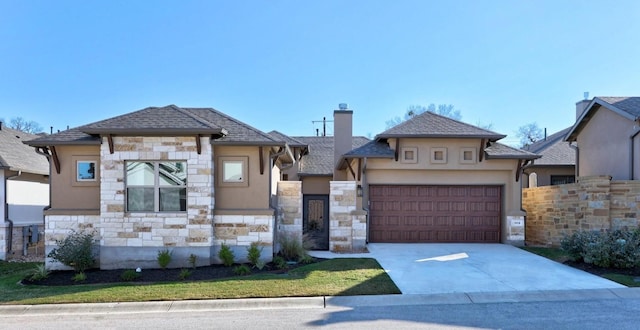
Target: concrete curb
[(320, 302)]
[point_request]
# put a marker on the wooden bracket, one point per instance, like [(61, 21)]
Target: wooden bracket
[(397, 148), (56, 160), (110, 141), (261, 156), (198, 144), (353, 173), (359, 168), (481, 153)]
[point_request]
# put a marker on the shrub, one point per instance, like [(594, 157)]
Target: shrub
[(40, 272), (306, 259), (75, 250), (242, 270), (253, 253), (184, 274), (615, 248), (129, 275), (192, 260), (226, 255), (280, 262), (291, 246), (164, 258), (79, 277)]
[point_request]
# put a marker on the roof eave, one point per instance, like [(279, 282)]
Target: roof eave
[(46, 143), (442, 136), (249, 143), (153, 131)]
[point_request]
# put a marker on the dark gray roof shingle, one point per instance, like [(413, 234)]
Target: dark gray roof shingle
[(163, 121), (501, 151), (432, 125), (285, 138), (373, 149), (17, 156), (630, 105), (554, 150), (627, 107), (320, 161)]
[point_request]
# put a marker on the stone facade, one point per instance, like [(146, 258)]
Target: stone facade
[(347, 226), (239, 231), (290, 206), (58, 227), (593, 203)]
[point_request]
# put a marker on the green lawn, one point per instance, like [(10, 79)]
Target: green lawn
[(348, 276), (560, 255)]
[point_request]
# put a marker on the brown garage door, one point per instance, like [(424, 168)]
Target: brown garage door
[(412, 214)]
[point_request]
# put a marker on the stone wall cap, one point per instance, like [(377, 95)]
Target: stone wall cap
[(359, 212)]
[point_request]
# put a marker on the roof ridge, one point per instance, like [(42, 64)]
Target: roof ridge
[(263, 134), (195, 116)]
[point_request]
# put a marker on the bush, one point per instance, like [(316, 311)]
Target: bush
[(306, 259), (242, 270), (291, 246), (280, 262), (615, 248), (75, 250), (79, 277), (253, 254), (40, 272), (184, 273), (226, 255), (129, 275), (192, 260), (164, 258)]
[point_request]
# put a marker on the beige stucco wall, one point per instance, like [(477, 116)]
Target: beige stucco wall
[(65, 192), (251, 196), (604, 145), (316, 185)]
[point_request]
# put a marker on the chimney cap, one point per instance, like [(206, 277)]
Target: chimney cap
[(343, 106), (586, 95)]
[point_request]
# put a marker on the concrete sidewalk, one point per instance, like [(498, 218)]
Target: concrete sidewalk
[(318, 302)]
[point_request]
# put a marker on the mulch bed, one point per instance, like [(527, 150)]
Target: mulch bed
[(204, 273)]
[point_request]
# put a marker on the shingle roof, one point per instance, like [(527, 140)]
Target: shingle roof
[(285, 138), (17, 156), (167, 120), (373, 149), (432, 125), (627, 107), (554, 150), (501, 151), (320, 161)]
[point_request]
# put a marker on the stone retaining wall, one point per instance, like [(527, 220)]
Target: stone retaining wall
[(593, 203)]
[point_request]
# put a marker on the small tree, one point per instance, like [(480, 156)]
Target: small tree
[(529, 134), (75, 250)]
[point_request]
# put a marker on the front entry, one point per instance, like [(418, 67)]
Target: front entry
[(315, 220)]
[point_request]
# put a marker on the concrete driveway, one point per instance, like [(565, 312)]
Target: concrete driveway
[(449, 268)]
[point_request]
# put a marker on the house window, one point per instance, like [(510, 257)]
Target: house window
[(409, 155), (467, 155), (233, 171), (439, 155), (562, 179), (285, 177), (156, 186), (85, 170)]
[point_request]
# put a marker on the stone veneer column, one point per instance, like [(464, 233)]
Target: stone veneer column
[(133, 239), (347, 225), (289, 215)]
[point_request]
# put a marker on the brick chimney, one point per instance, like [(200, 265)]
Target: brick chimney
[(582, 105), (342, 137)]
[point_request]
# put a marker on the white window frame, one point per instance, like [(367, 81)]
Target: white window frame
[(156, 186), (243, 180)]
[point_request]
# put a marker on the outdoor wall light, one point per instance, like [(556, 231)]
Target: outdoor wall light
[(359, 191)]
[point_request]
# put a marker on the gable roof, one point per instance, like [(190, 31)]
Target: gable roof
[(16, 156), (161, 121), (627, 107), (431, 125), (554, 150), (289, 140), (319, 161), (497, 150)]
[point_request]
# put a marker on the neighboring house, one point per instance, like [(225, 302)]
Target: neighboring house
[(557, 164), (192, 179), (607, 135), (24, 191), (187, 179), (435, 179)]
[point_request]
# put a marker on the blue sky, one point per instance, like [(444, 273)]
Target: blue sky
[(283, 64)]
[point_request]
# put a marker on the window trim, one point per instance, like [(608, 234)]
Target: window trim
[(75, 181), (563, 176), (404, 159), (444, 155), (221, 171), (156, 186), (473, 155)]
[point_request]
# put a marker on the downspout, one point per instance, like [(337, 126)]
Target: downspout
[(632, 160), (365, 196), (6, 211)]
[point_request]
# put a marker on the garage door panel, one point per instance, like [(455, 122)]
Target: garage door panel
[(435, 213)]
